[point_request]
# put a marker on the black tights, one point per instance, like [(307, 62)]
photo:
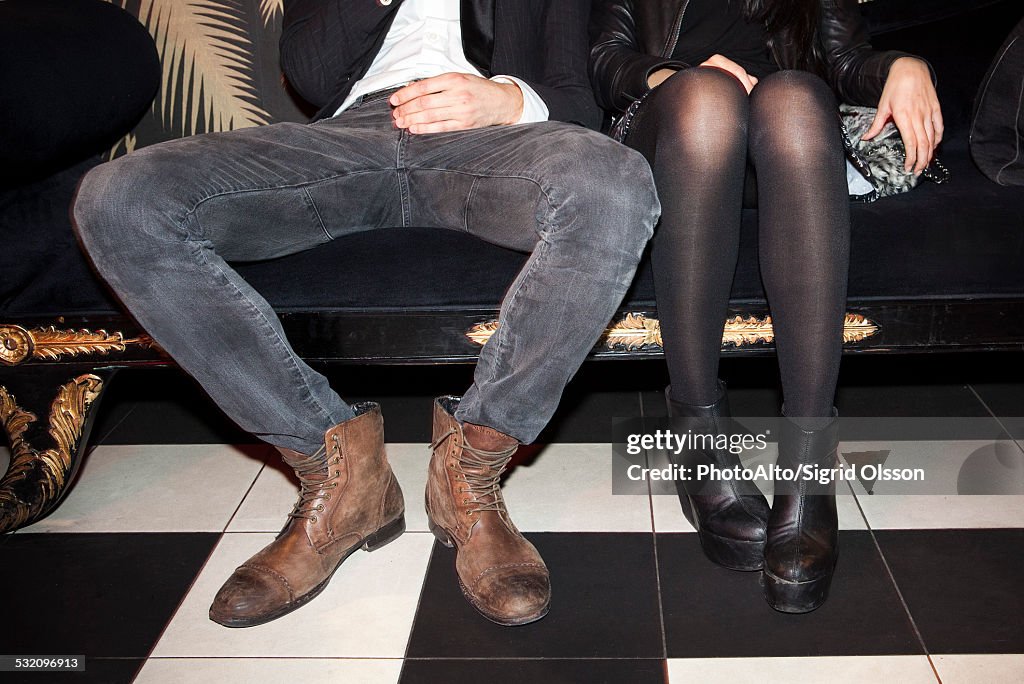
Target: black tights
[(698, 131)]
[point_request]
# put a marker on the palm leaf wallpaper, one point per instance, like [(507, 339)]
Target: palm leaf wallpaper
[(220, 68)]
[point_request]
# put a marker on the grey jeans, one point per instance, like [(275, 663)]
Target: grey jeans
[(162, 223)]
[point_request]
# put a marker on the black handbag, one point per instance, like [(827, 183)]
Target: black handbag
[(997, 129)]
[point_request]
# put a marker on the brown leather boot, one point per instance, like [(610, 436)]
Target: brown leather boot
[(500, 572), (350, 501)]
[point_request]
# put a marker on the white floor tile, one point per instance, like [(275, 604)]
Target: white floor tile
[(568, 488), (306, 670), (165, 488), (961, 467), (923, 512), (976, 667), (839, 670), (366, 611), (266, 507), (952, 466)]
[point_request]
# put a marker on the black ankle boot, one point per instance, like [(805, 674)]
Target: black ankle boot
[(730, 516), (803, 530)]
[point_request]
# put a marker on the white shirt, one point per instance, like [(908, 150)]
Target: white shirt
[(425, 40)]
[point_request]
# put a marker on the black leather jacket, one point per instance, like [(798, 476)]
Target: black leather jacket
[(630, 39)]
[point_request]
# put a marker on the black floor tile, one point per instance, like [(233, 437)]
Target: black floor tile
[(753, 402), (97, 671), (962, 586), (546, 671), (604, 605), (1005, 400), (166, 407), (908, 401), (711, 612), (97, 595), (598, 393)]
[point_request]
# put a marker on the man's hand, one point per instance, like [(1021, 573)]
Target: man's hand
[(726, 64), (456, 102), (909, 99)]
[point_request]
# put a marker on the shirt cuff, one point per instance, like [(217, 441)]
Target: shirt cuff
[(534, 109)]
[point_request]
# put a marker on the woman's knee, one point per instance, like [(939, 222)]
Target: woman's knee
[(792, 93), (793, 112), (703, 112)]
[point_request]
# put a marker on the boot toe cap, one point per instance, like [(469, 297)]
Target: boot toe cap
[(513, 595), (250, 596)]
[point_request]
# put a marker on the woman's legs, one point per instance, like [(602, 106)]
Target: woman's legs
[(804, 246), (693, 131), (804, 233)]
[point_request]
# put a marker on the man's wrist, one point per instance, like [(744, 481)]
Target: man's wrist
[(516, 95)]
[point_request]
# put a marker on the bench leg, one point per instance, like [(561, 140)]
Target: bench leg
[(45, 454)]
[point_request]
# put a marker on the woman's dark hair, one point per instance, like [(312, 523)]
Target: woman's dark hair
[(794, 28)]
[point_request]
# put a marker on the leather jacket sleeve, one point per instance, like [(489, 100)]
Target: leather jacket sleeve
[(324, 41), (618, 67), (857, 73)]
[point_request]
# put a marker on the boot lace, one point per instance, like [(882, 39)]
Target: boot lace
[(313, 481), (481, 472)]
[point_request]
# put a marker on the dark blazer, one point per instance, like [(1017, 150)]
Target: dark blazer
[(328, 45), (634, 38)]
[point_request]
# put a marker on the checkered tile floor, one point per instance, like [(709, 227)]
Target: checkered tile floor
[(172, 499)]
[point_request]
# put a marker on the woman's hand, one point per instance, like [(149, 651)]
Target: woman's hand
[(909, 99), (659, 77), (726, 64)]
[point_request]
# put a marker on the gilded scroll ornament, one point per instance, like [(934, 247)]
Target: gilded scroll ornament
[(636, 332), (15, 344), (36, 479), (18, 344)]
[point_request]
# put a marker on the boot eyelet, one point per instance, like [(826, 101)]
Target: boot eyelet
[(327, 496), (465, 501), (313, 519), (337, 473), (320, 508)]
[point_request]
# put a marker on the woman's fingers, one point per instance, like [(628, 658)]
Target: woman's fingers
[(909, 96), (882, 115)]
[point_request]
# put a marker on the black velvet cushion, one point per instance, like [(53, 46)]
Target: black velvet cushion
[(75, 75)]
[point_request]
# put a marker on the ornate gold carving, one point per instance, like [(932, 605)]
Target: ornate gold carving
[(18, 344), (636, 331), (857, 328), (40, 477), (481, 332), (740, 331), (15, 344)]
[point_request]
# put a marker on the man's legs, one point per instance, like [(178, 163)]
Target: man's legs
[(159, 225), (584, 207)]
